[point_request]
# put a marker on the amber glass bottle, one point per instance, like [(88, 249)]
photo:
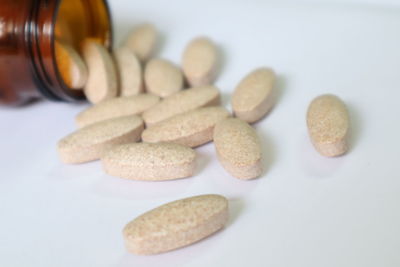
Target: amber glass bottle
[(28, 28)]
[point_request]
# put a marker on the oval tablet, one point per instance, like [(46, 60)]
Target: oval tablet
[(142, 41), (163, 78), (238, 148), (150, 162), (253, 98), (89, 143), (328, 125), (130, 72), (182, 102), (102, 83), (116, 107), (200, 61), (70, 65), (176, 224), (192, 129)]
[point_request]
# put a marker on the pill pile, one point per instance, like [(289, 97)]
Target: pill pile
[(149, 115)]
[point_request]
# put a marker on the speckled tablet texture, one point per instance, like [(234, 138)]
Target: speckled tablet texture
[(176, 224), (143, 41), (200, 61), (254, 96), (328, 125), (150, 162), (102, 82), (89, 143), (163, 78), (238, 148), (130, 72), (116, 107), (193, 128), (182, 102)]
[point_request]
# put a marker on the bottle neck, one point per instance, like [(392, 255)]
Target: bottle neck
[(40, 35), (28, 65), (16, 84)]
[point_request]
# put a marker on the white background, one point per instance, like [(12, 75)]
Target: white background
[(305, 211)]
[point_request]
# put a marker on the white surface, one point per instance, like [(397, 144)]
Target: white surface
[(305, 211)]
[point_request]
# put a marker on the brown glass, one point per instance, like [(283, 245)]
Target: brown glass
[(28, 67)]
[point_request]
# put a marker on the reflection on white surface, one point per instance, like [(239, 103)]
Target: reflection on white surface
[(314, 164), (113, 187)]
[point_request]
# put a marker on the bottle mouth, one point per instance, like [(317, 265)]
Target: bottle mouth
[(73, 21)]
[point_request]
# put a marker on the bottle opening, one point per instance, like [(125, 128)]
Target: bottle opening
[(78, 20), (75, 22), (28, 33)]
